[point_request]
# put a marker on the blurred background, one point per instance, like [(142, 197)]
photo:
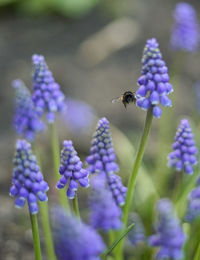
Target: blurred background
[(94, 49)]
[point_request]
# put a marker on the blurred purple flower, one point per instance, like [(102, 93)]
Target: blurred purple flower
[(137, 234), (47, 95), (193, 209), (105, 214), (185, 31), (154, 86), (184, 152), (71, 170), (26, 121), (169, 234), (79, 115), (73, 239), (102, 160), (27, 180)]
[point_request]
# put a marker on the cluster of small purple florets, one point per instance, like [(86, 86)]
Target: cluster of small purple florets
[(154, 86), (71, 170), (185, 31), (169, 237), (47, 95), (102, 160), (27, 180), (73, 239), (105, 214), (193, 209), (137, 234), (26, 121), (184, 155)]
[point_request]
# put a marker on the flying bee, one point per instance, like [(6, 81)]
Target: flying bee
[(126, 98)]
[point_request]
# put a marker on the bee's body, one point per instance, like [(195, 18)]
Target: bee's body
[(126, 98)]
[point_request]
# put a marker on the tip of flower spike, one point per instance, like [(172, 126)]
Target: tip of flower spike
[(36, 58), (17, 83), (22, 144), (152, 43)]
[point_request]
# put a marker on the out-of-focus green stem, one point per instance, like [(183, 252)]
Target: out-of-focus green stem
[(36, 238), (132, 179), (75, 206), (197, 253), (116, 242), (44, 217), (56, 162)]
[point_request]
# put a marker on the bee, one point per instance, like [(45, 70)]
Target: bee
[(126, 98)]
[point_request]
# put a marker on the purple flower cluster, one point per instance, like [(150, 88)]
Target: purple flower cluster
[(185, 31), (102, 160), (71, 170), (154, 86), (47, 95), (169, 235), (105, 214), (26, 121), (137, 234), (27, 180), (193, 209), (73, 239), (79, 116), (184, 152)]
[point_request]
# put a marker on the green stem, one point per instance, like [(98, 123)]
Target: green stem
[(136, 166), (36, 238), (56, 162), (75, 206), (197, 253), (44, 217), (133, 176), (116, 242)]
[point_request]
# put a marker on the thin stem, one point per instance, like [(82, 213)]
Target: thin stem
[(56, 161), (44, 217), (36, 238), (116, 242), (75, 206), (197, 253), (136, 166), (133, 176)]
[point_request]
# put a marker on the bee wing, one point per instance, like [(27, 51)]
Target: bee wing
[(114, 100)]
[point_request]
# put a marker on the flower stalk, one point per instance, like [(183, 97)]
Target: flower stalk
[(75, 206), (36, 238)]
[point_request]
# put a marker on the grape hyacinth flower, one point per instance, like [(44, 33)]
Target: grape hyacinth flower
[(105, 214), (184, 152), (154, 86), (102, 160), (27, 180), (185, 31), (26, 121), (71, 170), (73, 239), (47, 95), (137, 234), (169, 234), (193, 209), (79, 116)]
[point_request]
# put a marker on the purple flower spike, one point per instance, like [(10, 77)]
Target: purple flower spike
[(137, 234), (184, 152), (47, 95), (185, 31), (26, 121), (105, 214), (102, 160), (154, 86), (169, 235), (73, 239), (193, 208), (27, 180), (71, 170)]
